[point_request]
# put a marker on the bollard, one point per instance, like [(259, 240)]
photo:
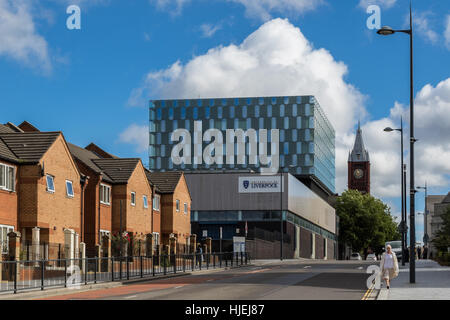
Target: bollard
[(128, 269), (15, 276), (142, 270), (42, 274), (95, 270), (242, 258), (184, 263), (65, 273), (112, 269), (153, 266)]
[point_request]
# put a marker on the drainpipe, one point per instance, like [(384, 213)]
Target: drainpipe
[(99, 204), (83, 188)]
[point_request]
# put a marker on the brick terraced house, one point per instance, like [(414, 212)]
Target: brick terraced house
[(173, 200), (40, 191), (59, 195)]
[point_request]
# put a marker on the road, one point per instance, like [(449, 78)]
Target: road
[(271, 280)]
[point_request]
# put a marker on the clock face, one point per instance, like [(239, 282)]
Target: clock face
[(358, 173)]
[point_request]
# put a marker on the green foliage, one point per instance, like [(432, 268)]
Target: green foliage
[(442, 239), (365, 222)]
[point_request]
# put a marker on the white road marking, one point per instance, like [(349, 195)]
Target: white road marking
[(179, 287), (131, 297), (359, 268), (306, 267)]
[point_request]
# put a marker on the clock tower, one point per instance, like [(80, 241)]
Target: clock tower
[(359, 165)]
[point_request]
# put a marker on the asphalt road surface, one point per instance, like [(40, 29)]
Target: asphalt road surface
[(269, 280)]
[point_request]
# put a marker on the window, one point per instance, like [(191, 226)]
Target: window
[(50, 183), (145, 201), (185, 208), (178, 205), (156, 202), (69, 188), (156, 238), (133, 198), (105, 194), (4, 230), (7, 178)]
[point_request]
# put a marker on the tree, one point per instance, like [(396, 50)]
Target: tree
[(442, 239), (365, 222)]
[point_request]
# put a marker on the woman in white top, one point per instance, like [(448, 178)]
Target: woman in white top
[(389, 265)]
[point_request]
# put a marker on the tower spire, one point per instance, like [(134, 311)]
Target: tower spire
[(359, 152)]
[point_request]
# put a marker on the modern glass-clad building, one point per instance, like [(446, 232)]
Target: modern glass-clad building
[(306, 137)]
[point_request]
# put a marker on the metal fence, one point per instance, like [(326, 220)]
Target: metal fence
[(40, 274)]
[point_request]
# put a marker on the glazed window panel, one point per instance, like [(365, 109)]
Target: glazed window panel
[(50, 183)]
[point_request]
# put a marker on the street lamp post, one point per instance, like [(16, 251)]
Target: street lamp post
[(403, 189), (385, 31), (425, 216)]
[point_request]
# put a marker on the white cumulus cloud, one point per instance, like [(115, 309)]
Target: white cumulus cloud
[(136, 135), (278, 60), (274, 60), (19, 39)]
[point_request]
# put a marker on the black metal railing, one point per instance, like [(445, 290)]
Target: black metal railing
[(40, 274)]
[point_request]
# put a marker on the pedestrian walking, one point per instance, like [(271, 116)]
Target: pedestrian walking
[(389, 265), (199, 255), (419, 253)]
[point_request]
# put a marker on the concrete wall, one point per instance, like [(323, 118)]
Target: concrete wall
[(221, 192), (306, 204)]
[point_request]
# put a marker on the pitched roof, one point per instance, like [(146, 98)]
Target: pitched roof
[(118, 169), (7, 154), (359, 153), (86, 157), (7, 128), (100, 152), (166, 182), (28, 127), (446, 199), (29, 147)]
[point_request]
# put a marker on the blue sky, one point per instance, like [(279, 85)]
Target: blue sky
[(92, 83)]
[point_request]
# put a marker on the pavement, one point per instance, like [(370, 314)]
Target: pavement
[(432, 283), (299, 279)]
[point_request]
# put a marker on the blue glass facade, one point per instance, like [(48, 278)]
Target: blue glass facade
[(307, 139)]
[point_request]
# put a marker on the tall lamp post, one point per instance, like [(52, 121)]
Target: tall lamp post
[(425, 216), (386, 31), (403, 222)]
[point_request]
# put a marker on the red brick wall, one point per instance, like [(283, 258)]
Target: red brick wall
[(175, 222), (138, 217), (8, 203), (52, 211)]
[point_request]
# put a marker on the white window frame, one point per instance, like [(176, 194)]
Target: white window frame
[(7, 181), (177, 205), (156, 238), (156, 202), (67, 189), (6, 244), (185, 208), (105, 192), (145, 201), (133, 203), (53, 181)]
